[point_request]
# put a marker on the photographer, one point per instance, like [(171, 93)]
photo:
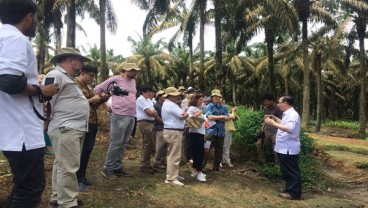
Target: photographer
[(123, 109)]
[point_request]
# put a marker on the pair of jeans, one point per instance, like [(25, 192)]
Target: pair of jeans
[(88, 144), (121, 128), (28, 171)]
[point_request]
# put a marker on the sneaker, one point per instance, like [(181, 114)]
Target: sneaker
[(122, 172), (109, 174), (201, 177), (180, 178), (82, 188), (194, 174), (174, 182), (55, 204), (86, 181), (230, 165)]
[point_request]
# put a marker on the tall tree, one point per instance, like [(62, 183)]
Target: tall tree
[(71, 26)]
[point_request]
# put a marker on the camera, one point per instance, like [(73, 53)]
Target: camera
[(118, 91)]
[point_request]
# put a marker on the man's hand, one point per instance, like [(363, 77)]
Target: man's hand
[(49, 90)]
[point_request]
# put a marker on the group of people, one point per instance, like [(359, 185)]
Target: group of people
[(70, 119)]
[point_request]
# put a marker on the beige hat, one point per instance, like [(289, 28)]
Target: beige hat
[(216, 92), (130, 66), (161, 92), (69, 51), (181, 88), (171, 91)]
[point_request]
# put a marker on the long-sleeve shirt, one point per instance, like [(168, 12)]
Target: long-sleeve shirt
[(121, 105)]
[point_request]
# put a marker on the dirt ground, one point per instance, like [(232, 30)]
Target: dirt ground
[(240, 186)]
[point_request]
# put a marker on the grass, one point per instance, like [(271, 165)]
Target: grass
[(342, 124)]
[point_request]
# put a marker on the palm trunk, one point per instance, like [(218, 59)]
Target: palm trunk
[(319, 93), (361, 28), (270, 38), (70, 33), (191, 67), (218, 56), (233, 88), (306, 78), (104, 69), (58, 39), (41, 49), (202, 85)]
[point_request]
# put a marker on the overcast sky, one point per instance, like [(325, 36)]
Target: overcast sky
[(130, 21)]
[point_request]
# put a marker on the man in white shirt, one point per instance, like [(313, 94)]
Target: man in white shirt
[(288, 146), (173, 117), (146, 115), (21, 131)]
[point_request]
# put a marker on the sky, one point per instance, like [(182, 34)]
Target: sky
[(130, 22)]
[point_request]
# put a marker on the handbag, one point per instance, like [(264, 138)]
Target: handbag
[(195, 123)]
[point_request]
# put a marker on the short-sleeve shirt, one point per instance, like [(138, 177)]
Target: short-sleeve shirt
[(219, 128), (289, 142), (121, 105), (274, 110), (87, 92), (143, 104), (171, 113), (70, 108), (191, 111), (19, 125)]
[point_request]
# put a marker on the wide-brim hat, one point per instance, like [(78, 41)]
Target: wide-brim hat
[(130, 66), (172, 91), (161, 92), (216, 92), (181, 88), (69, 51)]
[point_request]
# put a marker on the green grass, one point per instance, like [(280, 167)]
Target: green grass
[(341, 124)]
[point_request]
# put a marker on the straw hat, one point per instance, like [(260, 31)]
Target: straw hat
[(161, 92), (69, 51), (131, 66), (216, 92), (181, 88), (171, 91)]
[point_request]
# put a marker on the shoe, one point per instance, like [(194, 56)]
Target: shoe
[(122, 172), (201, 177), (86, 181), (194, 174), (190, 161), (218, 169), (82, 188), (159, 166), (288, 196), (180, 178), (146, 170), (230, 165), (220, 165), (151, 168), (109, 174), (55, 204), (174, 182)]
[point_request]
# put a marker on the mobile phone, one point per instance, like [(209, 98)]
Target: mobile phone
[(50, 80)]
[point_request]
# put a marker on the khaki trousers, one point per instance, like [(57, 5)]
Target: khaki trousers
[(148, 137), (67, 144), (174, 139)]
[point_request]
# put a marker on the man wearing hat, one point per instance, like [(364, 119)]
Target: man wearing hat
[(68, 126), (173, 117), (21, 131), (217, 114), (161, 146), (123, 114)]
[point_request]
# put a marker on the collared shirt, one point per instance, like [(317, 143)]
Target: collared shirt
[(171, 114), (214, 109), (274, 110), (143, 104), (18, 122), (121, 105), (158, 108), (289, 142), (70, 108), (191, 111), (87, 92)]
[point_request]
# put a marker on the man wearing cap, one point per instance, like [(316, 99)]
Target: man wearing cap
[(173, 117), (161, 146), (21, 131), (68, 126), (146, 115), (122, 117), (217, 114)]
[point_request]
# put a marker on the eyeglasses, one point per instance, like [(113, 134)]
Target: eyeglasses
[(92, 75)]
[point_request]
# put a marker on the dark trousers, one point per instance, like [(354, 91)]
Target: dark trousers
[(187, 145), (28, 177), (217, 143), (197, 144), (88, 144), (291, 173)]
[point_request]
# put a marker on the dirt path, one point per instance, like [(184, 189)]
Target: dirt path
[(341, 140)]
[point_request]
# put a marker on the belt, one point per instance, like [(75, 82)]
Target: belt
[(144, 120), (173, 129)]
